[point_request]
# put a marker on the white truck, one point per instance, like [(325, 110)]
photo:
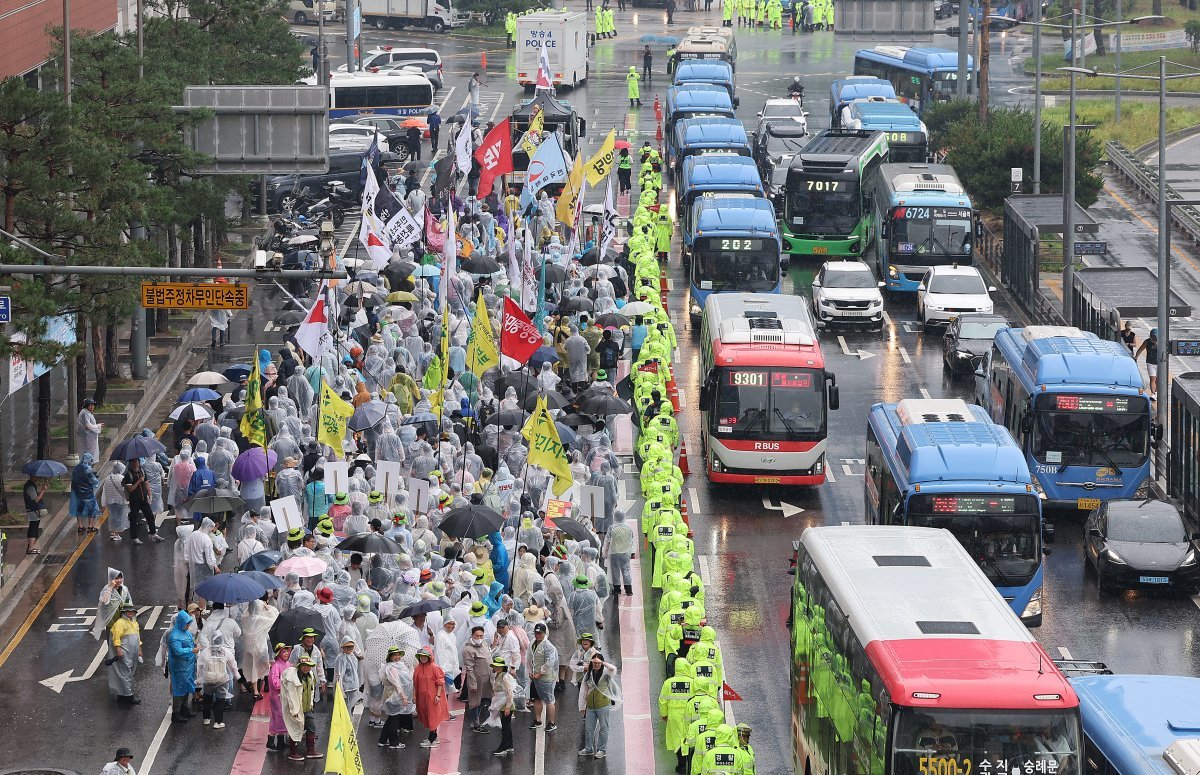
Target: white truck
[(565, 37), (437, 15)]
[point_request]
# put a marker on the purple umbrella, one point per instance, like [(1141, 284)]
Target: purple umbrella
[(253, 464)]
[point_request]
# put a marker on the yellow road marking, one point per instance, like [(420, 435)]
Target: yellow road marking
[(1174, 248)]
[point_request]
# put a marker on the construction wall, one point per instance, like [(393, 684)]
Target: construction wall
[(892, 19)]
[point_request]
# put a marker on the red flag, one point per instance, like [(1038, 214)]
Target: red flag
[(549, 524), (519, 337), (494, 156), (728, 694)]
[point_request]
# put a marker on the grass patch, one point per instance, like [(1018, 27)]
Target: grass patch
[(111, 408), (59, 484), (12, 519), (119, 384), (1139, 120), (485, 30)]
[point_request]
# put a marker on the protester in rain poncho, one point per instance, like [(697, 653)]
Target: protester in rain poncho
[(125, 646), (256, 648)]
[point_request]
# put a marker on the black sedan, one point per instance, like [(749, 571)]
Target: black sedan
[(967, 340), (1142, 544)]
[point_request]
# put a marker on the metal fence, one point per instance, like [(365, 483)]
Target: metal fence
[(1145, 179)]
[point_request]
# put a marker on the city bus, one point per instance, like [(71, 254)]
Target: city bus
[(394, 93), (921, 76), (845, 90), (711, 174), (731, 244), (695, 136), (1077, 406), (695, 100), (707, 71), (705, 43), (922, 217), (905, 661), (1131, 723), (766, 395), (944, 463), (908, 138), (824, 207)]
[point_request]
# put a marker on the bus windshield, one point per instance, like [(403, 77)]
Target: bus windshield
[(1091, 430), (926, 235), (945, 85), (817, 206), (1001, 532), (749, 265), (978, 741), (758, 402)]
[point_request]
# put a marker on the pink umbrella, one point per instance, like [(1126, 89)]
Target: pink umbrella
[(304, 567)]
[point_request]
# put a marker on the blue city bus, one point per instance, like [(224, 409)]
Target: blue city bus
[(707, 71), (734, 246), (695, 100), (908, 139), (843, 91), (1131, 721), (944, 463), (922, 217), (921, 76), (1077, 405), (711, 174), (696, 136)]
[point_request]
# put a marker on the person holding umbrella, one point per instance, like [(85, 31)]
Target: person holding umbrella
[(34, 494), (137, 489)]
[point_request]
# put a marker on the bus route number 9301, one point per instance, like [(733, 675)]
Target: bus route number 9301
[(941, 765)]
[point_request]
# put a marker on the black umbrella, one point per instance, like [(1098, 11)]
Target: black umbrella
[(238, 372), (601, 404), (291, 318), (290, 625), (370, 543), (612, 320), (262, 560), (214, 500), (138, 446), (397, 271), (573, 420), (471, 522), (480, 265), (520, 381), (625, 389), (554, 400), (423, 607), (590, 256), (577, 304), (554, 273), (507, 417), (367, 416), (576, 530)]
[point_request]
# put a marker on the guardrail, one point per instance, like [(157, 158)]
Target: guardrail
[(1145, 179)]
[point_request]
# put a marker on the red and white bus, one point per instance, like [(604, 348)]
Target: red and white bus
[(766, 395), (906, 661)]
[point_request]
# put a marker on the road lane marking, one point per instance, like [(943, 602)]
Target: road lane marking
[(1062, 650), (829, 473), (924, 393), (635, 675), (694, 502), (157, 741), (904, 355)]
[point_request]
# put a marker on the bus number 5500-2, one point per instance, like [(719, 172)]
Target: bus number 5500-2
[(937, 765)]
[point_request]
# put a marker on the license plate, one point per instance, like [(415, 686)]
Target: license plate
[(852, 313), (1088, 504), (766, 480), (1154, 580), (820, 250)]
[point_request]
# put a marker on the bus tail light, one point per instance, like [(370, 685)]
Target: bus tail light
[(926, 695)]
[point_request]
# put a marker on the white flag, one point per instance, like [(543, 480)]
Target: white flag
[(545, 78), (373, 233), (514, 269), (449, 257), (529, 280), (608, 229), (463, 149), (313, 335)]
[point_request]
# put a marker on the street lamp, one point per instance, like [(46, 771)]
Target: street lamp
[(1164, 213)]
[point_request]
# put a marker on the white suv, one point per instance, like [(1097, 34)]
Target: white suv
[(946, 292), (847, 292)]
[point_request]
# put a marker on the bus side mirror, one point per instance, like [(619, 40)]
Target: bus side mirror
[(1157, 432), (978, 228), (835, 398), (1026, 422), (883, 230), (705, 395), (1048, 533), (979, 372)]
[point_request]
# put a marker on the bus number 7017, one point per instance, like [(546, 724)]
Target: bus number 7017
[(822, 185)]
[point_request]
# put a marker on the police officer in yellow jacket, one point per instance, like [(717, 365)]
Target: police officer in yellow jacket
[(673, 707)]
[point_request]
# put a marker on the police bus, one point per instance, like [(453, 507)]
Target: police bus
[(824, 207), (766, 394), (944, 463), (394, 93), (906, 661), (1077, 406), (921, 76)]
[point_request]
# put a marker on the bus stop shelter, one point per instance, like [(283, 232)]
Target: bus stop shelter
[(1027, 218), (1102, 297)]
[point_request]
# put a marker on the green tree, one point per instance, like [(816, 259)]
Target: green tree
[(1192, 30)]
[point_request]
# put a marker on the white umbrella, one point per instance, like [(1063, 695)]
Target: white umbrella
[(636, 308), (195, 411), (208, 379)]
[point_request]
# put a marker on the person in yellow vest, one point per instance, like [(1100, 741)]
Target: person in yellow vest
[(760, 12), (598, 20), (510, 28), (634, 89), (663, 229), (673, 708), (612, 25), (726, 13), (775, 14)]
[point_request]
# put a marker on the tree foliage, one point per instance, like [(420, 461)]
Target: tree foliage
[(983, 154)]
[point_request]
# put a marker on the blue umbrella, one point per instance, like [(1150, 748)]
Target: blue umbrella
[(198, 394), (44, 468), (262, 560), (267, 581), (565, 434), (238, 372), (427, 270), (230, 589), (138, 446), (542, 355)]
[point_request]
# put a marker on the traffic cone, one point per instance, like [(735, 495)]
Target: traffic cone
[(483, 61), (657, 109), (683, 512), (683, 464)]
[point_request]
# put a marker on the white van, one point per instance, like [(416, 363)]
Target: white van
[(385, 55), (306, 11)]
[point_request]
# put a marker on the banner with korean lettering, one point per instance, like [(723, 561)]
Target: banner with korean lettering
[(494, 156), (519, 337), (601, 164)]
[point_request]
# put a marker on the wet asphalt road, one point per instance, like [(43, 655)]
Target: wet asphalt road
[(743, 546)]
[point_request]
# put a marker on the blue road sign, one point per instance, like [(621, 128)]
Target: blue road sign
[(5, 309)]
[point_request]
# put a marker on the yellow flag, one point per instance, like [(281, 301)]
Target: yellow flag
[(482, 352), (601, 164), (533, 136), (342, 756), (254, 424), (545, 447), (335, 413), (565, 209)]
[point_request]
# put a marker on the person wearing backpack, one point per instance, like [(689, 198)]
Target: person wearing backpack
[(218, 670)]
